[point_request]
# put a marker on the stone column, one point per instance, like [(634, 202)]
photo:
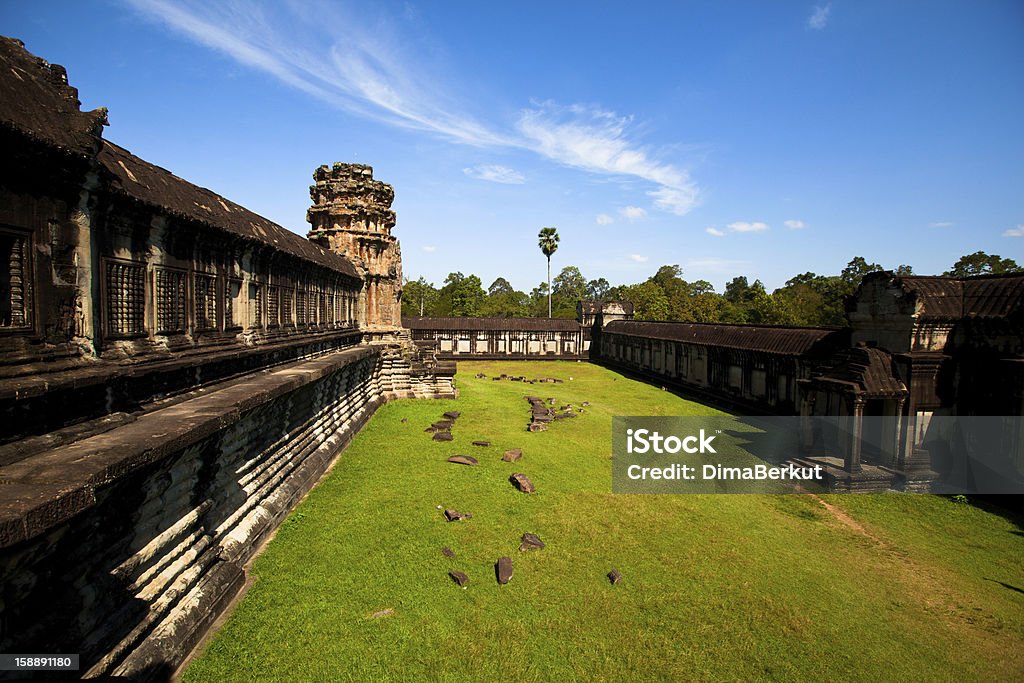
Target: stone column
[(852, 459)]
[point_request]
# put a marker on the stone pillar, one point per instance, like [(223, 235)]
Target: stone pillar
[(351, 216), (852, 459)]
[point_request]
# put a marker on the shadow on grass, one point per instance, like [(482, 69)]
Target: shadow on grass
[(1007, 585)]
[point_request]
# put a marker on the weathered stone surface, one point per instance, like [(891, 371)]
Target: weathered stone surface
[(442, 425), (480, 375), (463, 460), (459, 577), (585, 404), (503, 570), (551, 401), (442, 436), (454, 515), (512, 455), (447, 552), (452, 414), (537, 427), (482, 443), (521, 482), (614, 576), (531, 542)]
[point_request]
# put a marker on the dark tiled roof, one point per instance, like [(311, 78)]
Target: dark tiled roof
[(162, 189), (487, 324), (865, 370), (941, 298), (945, 298), (36, 100), (993, 296), (793, 341)]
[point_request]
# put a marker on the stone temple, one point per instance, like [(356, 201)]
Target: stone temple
[(177, 371)]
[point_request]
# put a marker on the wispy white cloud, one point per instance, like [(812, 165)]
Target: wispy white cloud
[(638, 258), (741, 226), (1015, 232), (430, 249), (364, 69), (633, 213), (794, 225), (596, 140), (819, 17), (495, 174), (604, 219), (714, 231), (941, 224)]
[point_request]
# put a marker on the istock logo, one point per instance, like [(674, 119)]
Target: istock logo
[(646, 441)]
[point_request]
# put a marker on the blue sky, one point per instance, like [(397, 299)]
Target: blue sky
[(741, 138)]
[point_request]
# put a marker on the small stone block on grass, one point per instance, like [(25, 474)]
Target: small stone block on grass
[(614, 576), (442, 436), (512, 455), (459, 577), (521, 482), (447, 552), (452, 415), (454, 515), (503, 570), (463, 460), (482, 443), (531, 542)]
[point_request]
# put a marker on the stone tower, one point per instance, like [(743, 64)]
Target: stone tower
[(351, 215)]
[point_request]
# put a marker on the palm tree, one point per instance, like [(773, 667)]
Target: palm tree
[(548, 243)]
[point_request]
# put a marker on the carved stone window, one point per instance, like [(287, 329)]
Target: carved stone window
[(232, 301), (300, 306), (255, 305), (170, 301), (125, 298), (206, 302), (273, 306), (286, 305), (15, 281)]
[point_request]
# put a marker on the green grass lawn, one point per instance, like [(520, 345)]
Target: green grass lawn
[(893, 587)]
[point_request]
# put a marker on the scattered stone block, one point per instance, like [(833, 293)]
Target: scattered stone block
[(482, 443), (452, 414), (442, 425), (442, 436), (447, 552), (463, 460), (551, 401), (537, 427), (459, 577), (585, 404), (503, 570), (521, 482), (614, 576), (512, 455), (481, 375), (454, 515), (404, 420), (531, 542), (430, 430)]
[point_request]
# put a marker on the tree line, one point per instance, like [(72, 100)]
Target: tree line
[(806, 299)]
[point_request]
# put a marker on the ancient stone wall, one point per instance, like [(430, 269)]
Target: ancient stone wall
[(125, 546), (501, 338)]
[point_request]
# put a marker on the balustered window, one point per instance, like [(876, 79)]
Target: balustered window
[(232, 300), (206, 302), (255, 304), (125, 298), (170, 301), (15, 281), (286, 305), (273, 306)]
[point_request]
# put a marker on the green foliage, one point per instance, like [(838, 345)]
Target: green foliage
[(807, 299), (980, 263), (419, 298)]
